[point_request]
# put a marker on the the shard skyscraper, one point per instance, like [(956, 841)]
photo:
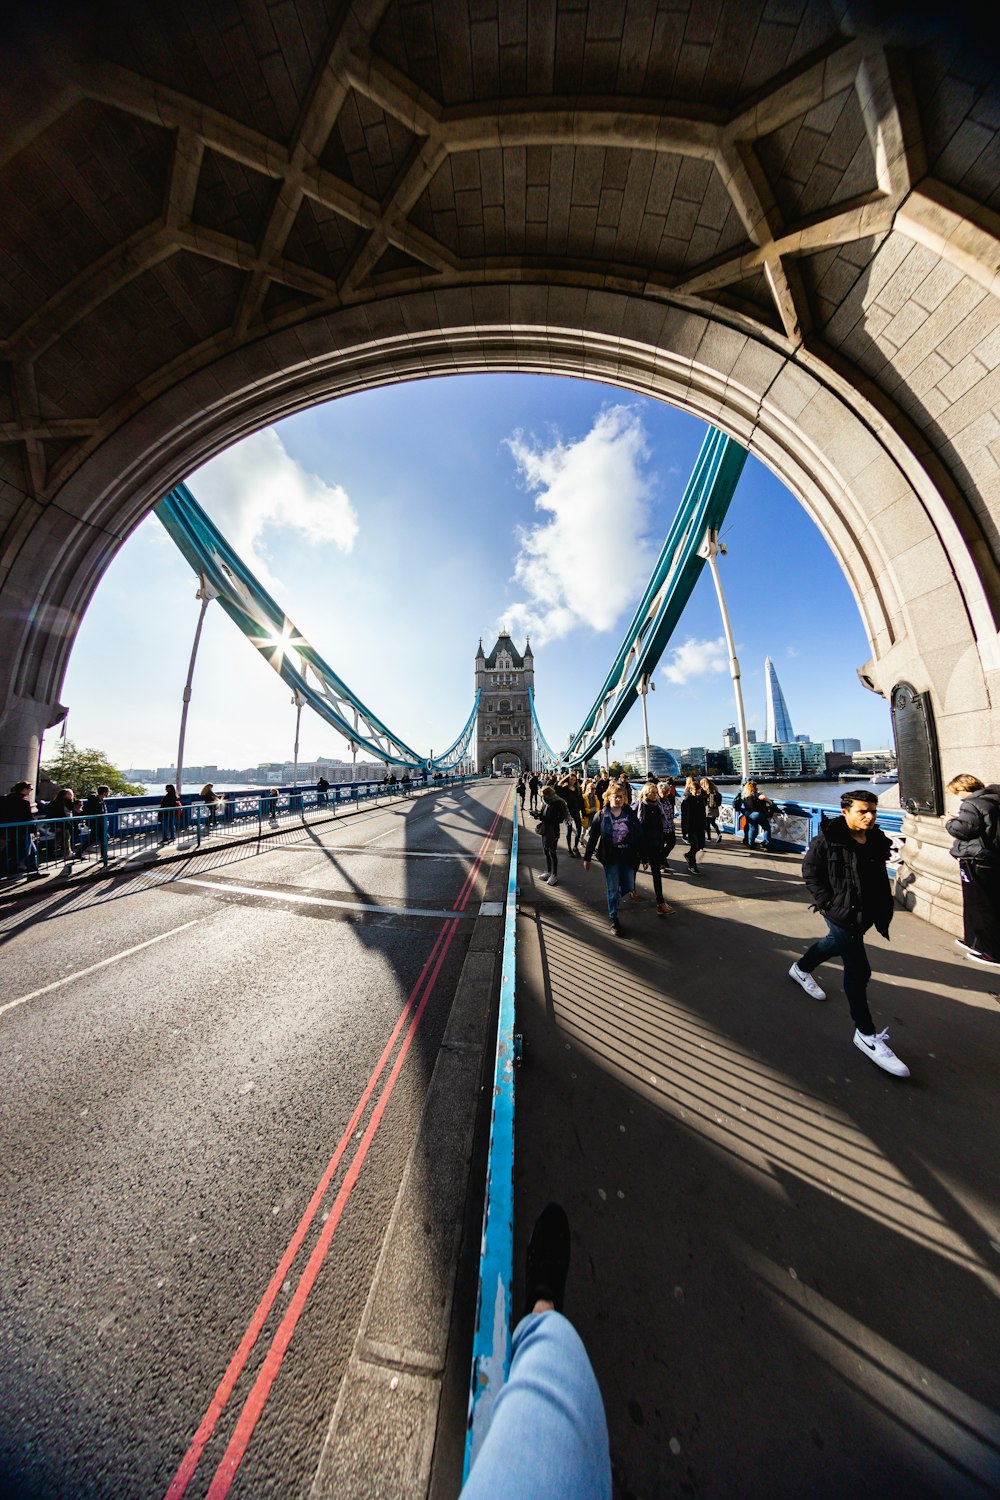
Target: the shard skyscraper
[(777, 724)]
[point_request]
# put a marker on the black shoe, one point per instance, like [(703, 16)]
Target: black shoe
[(547, 1260), (616, 927)]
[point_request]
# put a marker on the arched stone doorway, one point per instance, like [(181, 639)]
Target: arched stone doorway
[(790, 240), (503, 761)]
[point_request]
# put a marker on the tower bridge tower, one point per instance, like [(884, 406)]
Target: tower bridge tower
[(503, 725)]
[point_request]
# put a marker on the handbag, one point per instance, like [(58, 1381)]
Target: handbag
[(540, 829)]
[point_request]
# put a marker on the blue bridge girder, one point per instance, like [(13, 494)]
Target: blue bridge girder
[(701, 512), (226, 577)]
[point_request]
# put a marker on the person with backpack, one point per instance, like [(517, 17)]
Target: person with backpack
[(976, 831), (551, 817), (844, 871)]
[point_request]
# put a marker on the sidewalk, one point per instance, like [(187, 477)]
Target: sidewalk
[(786, 1263)]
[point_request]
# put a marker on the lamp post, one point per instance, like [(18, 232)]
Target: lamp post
[(709, 550), (642, 687), (206, 594), (298, 703)]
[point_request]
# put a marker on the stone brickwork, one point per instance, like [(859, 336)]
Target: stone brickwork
[(214, 216)]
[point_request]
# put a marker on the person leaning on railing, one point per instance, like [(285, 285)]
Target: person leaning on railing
[(21, 849), (976, 831), (96, 811)]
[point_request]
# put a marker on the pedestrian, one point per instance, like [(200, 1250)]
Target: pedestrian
[(547, 1436), (21, 848), (601, 784), (975, 829), (758, 811), (96, 811), (169, 812), (60, 811), (713, 802), (522, 787), (533, 791), (652, 828), (210, 798), (668, 797), (591, 803), (844, 870), (572, 795), (552, 815), (626, 787), (694, 820), (322, 792), (615, 836)]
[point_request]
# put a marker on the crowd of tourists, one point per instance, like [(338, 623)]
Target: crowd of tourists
[(844, 868)]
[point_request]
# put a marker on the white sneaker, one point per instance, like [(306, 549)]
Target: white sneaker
[(881, 1055), (964, 946), (807, 982), (980, 958), (553, 880), (546, 876)]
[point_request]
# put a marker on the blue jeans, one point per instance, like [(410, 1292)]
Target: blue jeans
[(548, 1438), (850, 946), (757, 820), (619, 877)]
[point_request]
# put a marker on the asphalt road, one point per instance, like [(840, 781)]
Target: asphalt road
[(199, 1152)]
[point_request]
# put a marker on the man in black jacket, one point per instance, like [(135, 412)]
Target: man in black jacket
[(844, 869), (976, 831)]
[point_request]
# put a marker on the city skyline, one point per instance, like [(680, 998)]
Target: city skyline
[(534, 502)]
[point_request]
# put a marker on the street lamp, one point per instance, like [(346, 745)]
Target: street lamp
[(298, 703), (206, 594), (710, 550)]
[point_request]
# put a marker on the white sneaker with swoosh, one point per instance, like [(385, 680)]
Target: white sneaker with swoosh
[(881, 1055)]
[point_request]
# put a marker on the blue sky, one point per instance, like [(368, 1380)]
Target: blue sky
[(396, 526)]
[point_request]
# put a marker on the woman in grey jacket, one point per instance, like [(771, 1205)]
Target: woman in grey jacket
[(976, 831)]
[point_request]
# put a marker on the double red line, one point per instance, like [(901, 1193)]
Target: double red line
[(412, 1012)]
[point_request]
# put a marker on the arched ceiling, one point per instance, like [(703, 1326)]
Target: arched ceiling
[(781, 214)]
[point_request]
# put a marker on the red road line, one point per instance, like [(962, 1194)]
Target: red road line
[(236, 1365), (254, 1405)]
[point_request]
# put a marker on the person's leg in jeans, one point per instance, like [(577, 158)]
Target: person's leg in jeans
[(612, 884), (850, 946), (548, 1437), (626, 878)]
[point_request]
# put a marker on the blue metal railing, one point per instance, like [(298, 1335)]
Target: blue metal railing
[(491, 1345), (133, 824)]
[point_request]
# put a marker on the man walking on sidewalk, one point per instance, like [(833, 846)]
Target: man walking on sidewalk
[(844, 869)]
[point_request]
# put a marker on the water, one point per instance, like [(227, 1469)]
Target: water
[(825, 793)]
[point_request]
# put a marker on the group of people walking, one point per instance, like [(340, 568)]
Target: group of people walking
[(624, 831)]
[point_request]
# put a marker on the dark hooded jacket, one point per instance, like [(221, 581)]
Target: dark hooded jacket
[(848, 880), (976, 827)]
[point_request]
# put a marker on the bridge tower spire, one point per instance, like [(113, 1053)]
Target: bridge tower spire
[(503, 728)]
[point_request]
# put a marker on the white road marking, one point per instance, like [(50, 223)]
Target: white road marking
[(309, 846), (303, 900), (101, 964)]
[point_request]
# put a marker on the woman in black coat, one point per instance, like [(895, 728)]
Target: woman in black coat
[(976, 831), (694, 821), (652, 830)]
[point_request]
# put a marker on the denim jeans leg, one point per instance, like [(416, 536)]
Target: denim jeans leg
[(626, 877), (612, 883), (548, 1436), (850, 946)]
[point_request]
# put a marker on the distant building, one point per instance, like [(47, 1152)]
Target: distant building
[(731, 736), (661, 762), (777, 720), (759, 762), (503, 725), (842, 747)]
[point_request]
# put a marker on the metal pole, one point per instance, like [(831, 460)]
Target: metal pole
[(642, 688), (709, 551), (206, 595), (297, 705)]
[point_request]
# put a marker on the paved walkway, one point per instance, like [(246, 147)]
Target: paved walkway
[(786, 1263)]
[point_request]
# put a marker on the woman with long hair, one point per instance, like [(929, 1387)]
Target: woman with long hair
[(712, 804), (615, 836), (652, 828)]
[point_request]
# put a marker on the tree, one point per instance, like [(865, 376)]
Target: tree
[(615, 769), (86, 770)]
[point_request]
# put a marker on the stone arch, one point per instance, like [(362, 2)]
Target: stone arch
[(795, 241), (510, 756)]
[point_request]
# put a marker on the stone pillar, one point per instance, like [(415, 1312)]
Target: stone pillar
[(23, 721), (927, 879)]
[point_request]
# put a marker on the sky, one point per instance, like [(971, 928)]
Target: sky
[(398, 525)]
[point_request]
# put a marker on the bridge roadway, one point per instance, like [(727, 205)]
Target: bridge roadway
[(181, 1051)]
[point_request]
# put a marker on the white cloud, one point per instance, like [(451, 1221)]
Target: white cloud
[(256, 485), (792, 651), (695, 659), (589, 560)]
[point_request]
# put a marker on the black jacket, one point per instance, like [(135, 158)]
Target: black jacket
[(599, 836), (553, 813), (976, 826), (694, 813), (832, 870)]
